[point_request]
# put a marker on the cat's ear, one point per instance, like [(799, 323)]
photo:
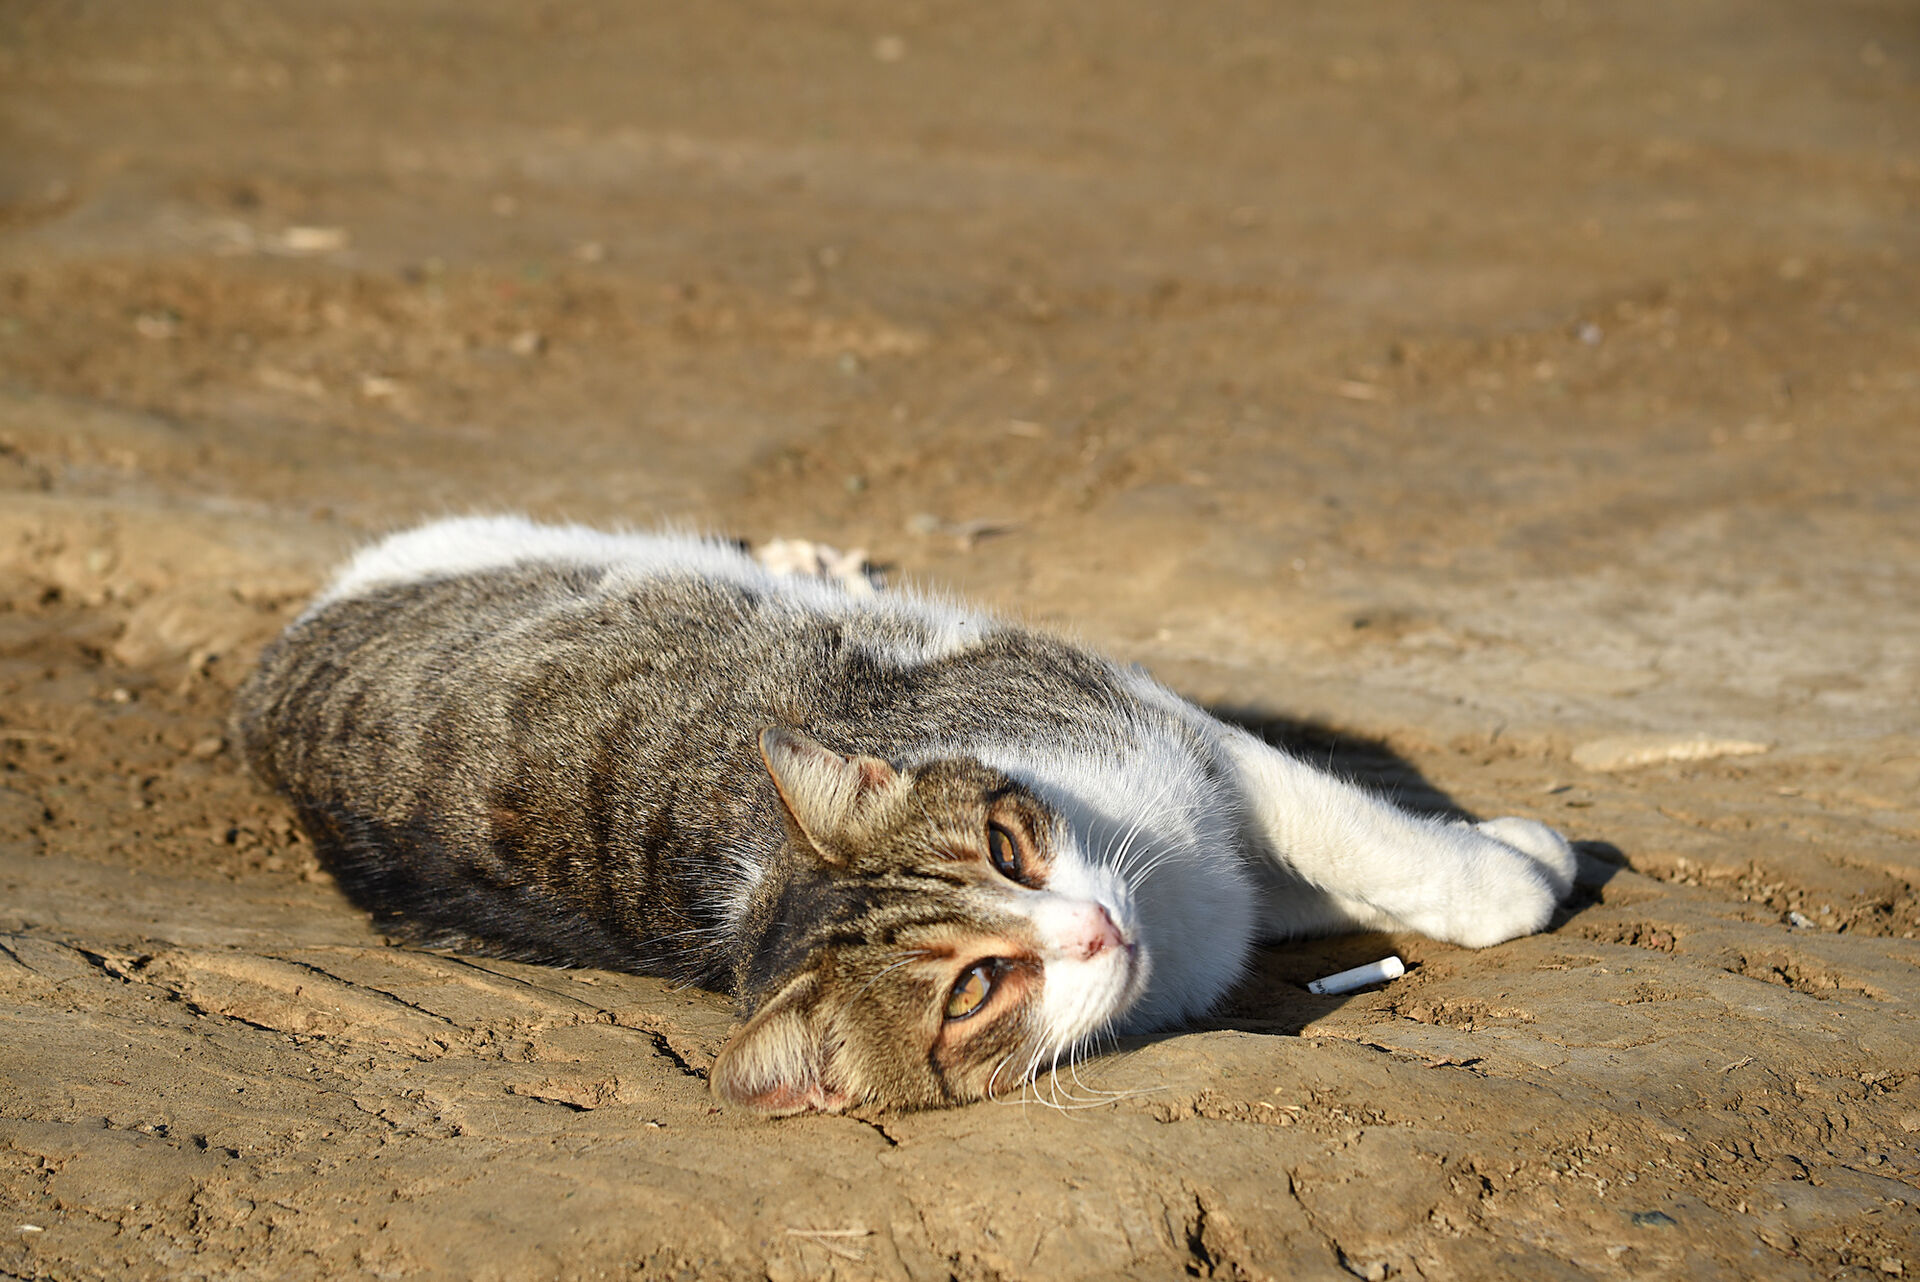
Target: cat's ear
[(775, 1064), (820, 789)]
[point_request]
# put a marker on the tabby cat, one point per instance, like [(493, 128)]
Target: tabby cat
[(928, 853)]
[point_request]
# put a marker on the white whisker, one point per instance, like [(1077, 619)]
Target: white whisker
[(908, 960)]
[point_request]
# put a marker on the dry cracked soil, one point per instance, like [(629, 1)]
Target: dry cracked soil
[(1511, 404)]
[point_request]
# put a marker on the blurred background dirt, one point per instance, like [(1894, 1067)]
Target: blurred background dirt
[(1514, 402)]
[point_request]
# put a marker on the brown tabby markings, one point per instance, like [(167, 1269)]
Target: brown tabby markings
[(927, 853), (536, 763), (876, 984)]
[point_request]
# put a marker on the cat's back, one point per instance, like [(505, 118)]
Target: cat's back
[(463, 547), (451, 639), (503, 625), (530, 578), (534, 738)]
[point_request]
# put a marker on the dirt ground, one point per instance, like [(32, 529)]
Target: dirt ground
[(1517, 403)]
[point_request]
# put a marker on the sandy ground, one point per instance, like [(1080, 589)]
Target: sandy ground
[(1514, 403)]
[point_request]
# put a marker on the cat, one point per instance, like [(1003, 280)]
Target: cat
[(927, 852)]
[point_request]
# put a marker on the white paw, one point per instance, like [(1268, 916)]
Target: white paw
[(808, 559), (1539, 843), (1512, 872)]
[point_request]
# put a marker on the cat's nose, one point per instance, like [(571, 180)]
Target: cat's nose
[(1086, 930)]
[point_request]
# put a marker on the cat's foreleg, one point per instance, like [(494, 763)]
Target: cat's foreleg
[(1331, 856)]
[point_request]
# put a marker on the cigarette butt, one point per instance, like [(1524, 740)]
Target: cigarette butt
[(1359, 977)]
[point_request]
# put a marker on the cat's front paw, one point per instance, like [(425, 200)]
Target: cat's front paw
[(1539, 843), (1512, 874)]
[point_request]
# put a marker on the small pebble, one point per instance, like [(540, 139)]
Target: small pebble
[(528, 342), (314, 240), (156, 325), (210, 746), (1624, 752)]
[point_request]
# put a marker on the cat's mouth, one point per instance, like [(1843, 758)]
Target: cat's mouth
[(1089, 990)]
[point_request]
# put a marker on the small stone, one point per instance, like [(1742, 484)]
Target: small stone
[(211, 746), (528, 342), (1624, 752), (156, 325), (314, 240), (1893, 1268)]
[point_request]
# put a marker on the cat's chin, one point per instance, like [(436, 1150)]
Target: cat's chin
[(1084, 999)]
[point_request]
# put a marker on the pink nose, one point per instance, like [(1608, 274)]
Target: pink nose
[(1088, 931)]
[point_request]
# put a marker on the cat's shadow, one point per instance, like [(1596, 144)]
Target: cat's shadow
[(1273, 997)]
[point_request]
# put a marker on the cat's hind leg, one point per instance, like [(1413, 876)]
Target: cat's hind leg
[(806, 559)]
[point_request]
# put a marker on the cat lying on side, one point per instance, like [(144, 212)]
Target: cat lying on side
[(927, 852)]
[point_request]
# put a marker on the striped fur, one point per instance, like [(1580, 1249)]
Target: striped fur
[(648, 753)]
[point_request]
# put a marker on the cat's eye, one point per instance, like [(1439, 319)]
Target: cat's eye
[(1004, 853), (971, 993)]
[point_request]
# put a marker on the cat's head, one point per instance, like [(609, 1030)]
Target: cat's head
[(932, 938)]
